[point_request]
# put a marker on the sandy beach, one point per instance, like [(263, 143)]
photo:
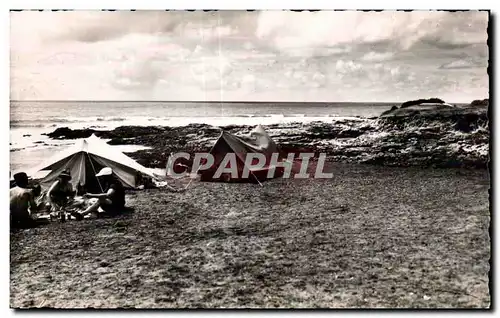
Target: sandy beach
[(369, 237)]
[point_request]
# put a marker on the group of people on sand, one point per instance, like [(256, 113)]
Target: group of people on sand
[(60, 198)]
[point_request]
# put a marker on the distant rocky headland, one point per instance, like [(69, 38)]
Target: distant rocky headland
[(425, 132)]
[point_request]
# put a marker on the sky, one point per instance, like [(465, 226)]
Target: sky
[(328, 56)]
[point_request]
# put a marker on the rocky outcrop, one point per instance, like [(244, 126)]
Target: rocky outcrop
[(418, 107), (390, 111), (422, 101), (437, 137), (424, 110), (478, 102), (441, 135), (67, 133)]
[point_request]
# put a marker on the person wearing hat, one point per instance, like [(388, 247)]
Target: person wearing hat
[(22, 201), (112, 201), (61, 192)]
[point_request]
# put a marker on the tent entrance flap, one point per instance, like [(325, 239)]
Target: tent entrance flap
[(95, 172)]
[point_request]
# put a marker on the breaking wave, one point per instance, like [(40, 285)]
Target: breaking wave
[(52, 122)]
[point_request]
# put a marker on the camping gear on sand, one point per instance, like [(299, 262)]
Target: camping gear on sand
[(84, 159), (46, 215)]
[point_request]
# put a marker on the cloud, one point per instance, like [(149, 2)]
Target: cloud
[(142, 74), (98, 26), (465, 64), (400, 29), (377, 57), (244, 55)]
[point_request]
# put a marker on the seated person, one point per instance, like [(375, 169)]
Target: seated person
[(112, 201), (21, 202), (39, 198), (80, 189), (37, 190), (61, 192)]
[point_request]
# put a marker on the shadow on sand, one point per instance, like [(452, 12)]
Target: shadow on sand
[(14, 227)]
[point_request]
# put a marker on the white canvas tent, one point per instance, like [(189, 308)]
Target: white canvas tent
[(85, 159)]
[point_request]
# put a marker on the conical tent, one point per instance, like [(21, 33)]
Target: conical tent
[(85, 159), (258, 141)]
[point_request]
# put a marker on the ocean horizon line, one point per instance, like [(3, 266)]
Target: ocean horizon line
[(190, 101), (212, 102)]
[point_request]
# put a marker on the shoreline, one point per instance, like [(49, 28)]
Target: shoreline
[(444, 138)]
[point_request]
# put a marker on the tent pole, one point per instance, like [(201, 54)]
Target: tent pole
[(256, 178), (100, 186), (79, 176)]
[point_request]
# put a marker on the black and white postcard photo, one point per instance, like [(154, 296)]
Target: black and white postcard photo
[(250, 159)]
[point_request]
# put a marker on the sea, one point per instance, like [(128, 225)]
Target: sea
[(30, 120)]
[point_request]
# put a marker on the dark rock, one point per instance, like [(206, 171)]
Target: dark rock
[(421, 101), (467, 123), (135, 131), (478, 102), (393, 108), (117, 141), (67, 133), (329, 131), (419, 110)]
